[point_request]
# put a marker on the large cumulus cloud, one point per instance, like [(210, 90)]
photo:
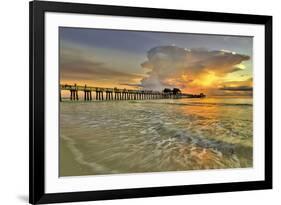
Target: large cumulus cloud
[(171, 66)]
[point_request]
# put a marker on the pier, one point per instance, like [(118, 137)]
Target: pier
[(120, 94)]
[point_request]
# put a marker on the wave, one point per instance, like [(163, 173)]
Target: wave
[(148, 138), (194, 139), (79, 157)]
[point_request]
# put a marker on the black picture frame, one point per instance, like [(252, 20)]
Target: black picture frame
[(37, 194)]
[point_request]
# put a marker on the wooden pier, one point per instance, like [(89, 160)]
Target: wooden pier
[(119, 94)]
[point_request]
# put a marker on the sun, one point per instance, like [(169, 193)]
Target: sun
[(207, 80)]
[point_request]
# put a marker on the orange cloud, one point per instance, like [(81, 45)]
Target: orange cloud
[(190, 69)]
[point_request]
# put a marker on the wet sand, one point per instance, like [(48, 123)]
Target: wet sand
[(68, 165)]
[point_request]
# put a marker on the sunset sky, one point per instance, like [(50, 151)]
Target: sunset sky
[(212, 64)]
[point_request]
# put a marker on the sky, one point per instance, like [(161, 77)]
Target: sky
[(194, 63)]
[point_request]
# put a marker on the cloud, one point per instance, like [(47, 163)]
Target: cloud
[(235, 69), (237, 88), (134, 85), (174, 66), (92, 70), (81, 64)]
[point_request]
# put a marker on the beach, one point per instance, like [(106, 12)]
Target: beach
[(136, 136)]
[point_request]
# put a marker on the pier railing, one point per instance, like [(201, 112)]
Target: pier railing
[(116, 93)]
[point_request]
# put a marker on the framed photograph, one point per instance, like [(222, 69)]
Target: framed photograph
[(140, 102)]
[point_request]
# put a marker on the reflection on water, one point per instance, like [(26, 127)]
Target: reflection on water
[(155, 135)]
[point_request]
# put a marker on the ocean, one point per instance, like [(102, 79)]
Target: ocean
[(114, 137)]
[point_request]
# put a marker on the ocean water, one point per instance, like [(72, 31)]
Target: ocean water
[(109, 137)]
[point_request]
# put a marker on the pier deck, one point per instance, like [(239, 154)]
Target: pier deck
[(118, 94)]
